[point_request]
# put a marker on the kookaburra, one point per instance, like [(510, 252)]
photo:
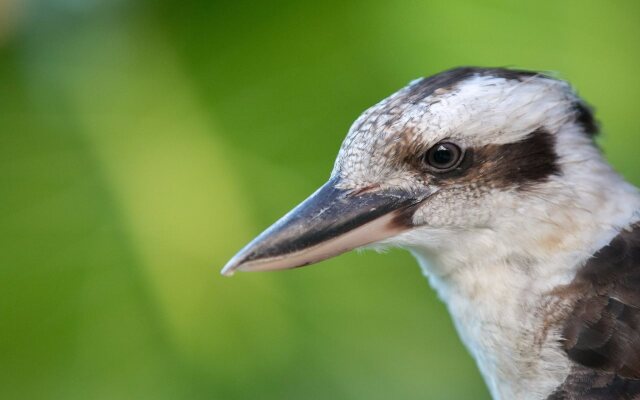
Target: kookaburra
[(491, 178)]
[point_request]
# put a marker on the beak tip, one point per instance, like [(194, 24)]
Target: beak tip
[(230, 268)]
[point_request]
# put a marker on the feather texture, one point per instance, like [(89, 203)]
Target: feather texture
[(602, 331)]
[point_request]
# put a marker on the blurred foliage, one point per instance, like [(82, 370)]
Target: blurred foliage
[(143, 142)]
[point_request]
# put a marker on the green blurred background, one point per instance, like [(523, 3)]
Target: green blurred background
[(143, 142)]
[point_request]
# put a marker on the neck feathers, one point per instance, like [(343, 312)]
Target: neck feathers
[(498, 280)]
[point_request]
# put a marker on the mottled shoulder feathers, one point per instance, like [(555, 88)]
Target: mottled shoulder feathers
[(602, 331)]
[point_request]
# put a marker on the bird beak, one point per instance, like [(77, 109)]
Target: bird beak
[(330, 222)]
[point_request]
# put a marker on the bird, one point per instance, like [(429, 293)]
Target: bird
[(493, 180)]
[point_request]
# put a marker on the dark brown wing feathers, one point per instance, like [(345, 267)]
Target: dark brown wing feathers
[(602, 331), (587, 384)]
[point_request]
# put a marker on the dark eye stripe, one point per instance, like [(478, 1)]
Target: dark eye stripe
[(519, 165)]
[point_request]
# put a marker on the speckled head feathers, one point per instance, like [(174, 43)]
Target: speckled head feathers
[(479, 109)]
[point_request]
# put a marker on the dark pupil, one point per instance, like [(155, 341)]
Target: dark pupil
[(442, 155)]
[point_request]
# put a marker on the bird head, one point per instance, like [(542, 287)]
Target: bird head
[(449, 153)]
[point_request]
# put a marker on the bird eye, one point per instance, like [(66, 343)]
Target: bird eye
[(443, 157)]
